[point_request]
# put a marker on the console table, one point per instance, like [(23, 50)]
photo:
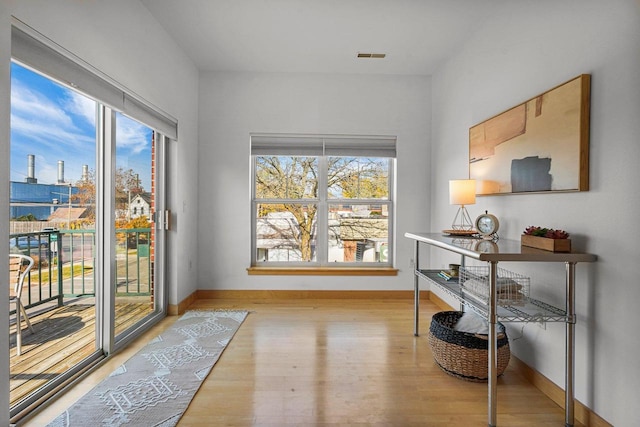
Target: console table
[(532, 311)]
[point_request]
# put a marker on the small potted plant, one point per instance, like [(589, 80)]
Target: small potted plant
[(546, 239)]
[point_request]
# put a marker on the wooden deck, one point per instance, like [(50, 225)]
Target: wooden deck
[(62, 337)]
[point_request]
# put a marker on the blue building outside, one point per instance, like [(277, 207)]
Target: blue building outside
[(40, 200)]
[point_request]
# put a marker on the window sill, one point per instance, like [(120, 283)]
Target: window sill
[(319, 271)]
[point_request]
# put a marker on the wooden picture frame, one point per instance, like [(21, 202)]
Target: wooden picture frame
[(538, 146)]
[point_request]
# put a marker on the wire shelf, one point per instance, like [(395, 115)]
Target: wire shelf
[(527, 310), (512, 289)]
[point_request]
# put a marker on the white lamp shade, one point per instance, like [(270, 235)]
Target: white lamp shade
[(462, 191)]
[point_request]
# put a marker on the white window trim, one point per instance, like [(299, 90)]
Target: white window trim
[(323, 146)]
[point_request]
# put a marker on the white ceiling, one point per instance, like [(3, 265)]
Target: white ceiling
[(320, 35)]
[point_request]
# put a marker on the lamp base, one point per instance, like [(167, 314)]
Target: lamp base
[(462, 220)]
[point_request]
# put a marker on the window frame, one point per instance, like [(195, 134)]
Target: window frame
[(323, 147)]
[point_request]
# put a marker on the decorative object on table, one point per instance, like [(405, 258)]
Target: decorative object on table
[(155, 386), (487, 225), (452, 273), (546, 239), (446, 275), (462, 192), (460, 233), (461, 354), (454, 269), (539, 145)]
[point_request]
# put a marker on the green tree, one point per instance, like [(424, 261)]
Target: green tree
[(28, 217)]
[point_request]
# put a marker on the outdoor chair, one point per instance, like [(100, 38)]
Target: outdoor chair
[(19, 267)]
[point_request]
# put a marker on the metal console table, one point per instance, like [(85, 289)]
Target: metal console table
[(533, 310)]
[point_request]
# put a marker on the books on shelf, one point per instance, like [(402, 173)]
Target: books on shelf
[(446, 275)]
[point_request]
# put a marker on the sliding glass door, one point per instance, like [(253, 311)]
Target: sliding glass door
[(88, 206)]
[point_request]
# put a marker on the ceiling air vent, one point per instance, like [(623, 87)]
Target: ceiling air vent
[(371, 55)]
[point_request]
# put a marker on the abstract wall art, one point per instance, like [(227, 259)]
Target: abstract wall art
[(538, 146)]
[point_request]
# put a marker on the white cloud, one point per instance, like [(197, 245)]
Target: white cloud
[(49, 135), (131, 135), (25, 102), (51, 128), (39, 119), (60, 125), (82, 106)]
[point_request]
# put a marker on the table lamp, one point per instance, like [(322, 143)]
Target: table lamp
[(462, 192)]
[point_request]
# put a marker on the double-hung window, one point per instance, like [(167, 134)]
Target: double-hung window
[(322, 200)]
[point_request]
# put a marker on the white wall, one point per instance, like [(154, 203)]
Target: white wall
[(120, 38), (524, 50), (234, 104)]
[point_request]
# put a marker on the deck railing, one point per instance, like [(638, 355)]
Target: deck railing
[(45, 278), (65, 260), (133, 262)]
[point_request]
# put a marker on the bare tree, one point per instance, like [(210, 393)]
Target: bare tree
[(294, 181), (127, 180)]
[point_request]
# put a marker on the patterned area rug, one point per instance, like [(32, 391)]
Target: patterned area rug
[(155, 386)]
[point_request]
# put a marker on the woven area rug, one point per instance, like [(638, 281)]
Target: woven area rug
[(155, 386)]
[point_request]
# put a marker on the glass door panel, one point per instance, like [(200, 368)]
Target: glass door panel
[(135, 236), (53, 205)]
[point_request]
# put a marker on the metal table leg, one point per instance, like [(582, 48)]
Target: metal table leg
[(416, 290), (570, 344), (493, 344)]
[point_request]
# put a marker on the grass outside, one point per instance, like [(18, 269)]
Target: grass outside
[(67, 272)]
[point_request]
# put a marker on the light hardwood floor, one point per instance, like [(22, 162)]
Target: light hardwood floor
[(335, 362)]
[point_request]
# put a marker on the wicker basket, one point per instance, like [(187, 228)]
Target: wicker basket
[(461, 354)]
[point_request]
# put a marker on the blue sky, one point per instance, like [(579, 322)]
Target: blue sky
[(56, 123)]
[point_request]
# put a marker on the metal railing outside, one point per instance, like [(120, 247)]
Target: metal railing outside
[(78, 254), (45, 279), (133, 262), (65, 260)]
